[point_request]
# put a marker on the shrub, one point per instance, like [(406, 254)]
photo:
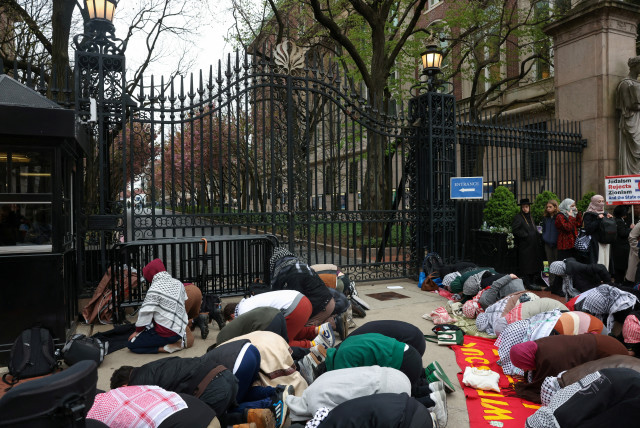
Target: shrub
[(501, 208), (583, 203), (540, 203)]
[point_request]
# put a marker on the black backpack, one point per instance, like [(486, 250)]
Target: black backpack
[(432, 263), (80, 347), (32, 355), (608, 231)]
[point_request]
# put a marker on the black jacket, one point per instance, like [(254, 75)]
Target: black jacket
[(528, 243), (302, 278), (586, 276), (620, 249)]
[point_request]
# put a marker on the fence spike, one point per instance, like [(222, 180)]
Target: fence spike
[(227, 72), (141, 96), (201, 86), (29, 80), (42, 83), (219, 79)]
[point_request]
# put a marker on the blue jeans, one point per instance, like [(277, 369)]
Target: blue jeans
[(149, 341), (256, 397)]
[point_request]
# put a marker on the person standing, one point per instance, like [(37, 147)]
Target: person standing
[(550, 234), (632, 264), (526, 234), (620, 250), (568, 221), (598, 252)]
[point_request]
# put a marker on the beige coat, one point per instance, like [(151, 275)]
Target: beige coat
[(633, 253), (276, 364)]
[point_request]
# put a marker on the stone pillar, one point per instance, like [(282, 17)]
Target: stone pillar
[(592, 44)]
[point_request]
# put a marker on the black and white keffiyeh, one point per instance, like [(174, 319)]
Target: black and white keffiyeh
[(164, 304), (280, 259), (321, 413), (533, 328), (560, 268), (605, 300)]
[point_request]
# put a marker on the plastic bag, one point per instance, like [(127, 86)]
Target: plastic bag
[(484, 379)]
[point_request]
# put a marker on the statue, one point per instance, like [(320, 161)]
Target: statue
[(628, 102)]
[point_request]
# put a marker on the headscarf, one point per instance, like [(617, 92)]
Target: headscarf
[(560, 269), (565, 208), (631, 330), (596, 207), (281, 258), (523, 355), (151, 269)]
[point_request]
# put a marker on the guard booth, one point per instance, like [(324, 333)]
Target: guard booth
[(40, 180)]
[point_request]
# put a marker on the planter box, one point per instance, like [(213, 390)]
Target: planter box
[(490, 250)]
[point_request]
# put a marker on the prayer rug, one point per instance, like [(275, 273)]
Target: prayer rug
[(488, 408)]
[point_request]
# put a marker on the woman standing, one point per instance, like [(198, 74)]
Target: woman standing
[(620, 250), (549, 231), (526, 235), (598, 252), (567, 223)]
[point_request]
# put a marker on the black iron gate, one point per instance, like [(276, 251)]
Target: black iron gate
[(278, 146)]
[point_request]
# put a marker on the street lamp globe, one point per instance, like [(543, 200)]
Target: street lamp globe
[(431, 59), (101, 12)]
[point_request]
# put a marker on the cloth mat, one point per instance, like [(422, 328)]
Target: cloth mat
[(488, 408)]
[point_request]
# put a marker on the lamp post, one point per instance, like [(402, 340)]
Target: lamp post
[(432, 162), (100, 103), (431, 62)]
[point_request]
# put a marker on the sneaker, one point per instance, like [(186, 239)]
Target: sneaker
[(436, 373), (173, 347), (325, 336), (439, 388), (308, 368), (440, 409), (262, 418), (279, 406), (203, 323), (350, 322), (319, 352)]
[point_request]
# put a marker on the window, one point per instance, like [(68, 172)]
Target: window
[(542, 45), (25, 201), (433, 3)]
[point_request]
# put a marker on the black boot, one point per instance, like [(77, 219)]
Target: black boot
[(217, 316)]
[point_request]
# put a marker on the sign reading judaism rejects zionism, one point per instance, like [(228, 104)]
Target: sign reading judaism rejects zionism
[(622, 189)]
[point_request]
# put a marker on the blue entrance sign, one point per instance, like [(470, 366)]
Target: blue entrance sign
[(466, 187)]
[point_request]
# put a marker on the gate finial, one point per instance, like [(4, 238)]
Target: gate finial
[(289, 57)]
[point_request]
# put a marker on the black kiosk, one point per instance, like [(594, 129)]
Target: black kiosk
[(40, 180)]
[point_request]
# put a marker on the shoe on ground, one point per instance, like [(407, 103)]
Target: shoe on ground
[(173, 347), (203, 323), (359, 301), (262, 418), (435, 373), (439, 388), (350, 322), (440, 409), (308, 368), (279, 406), (357, 310), (325, 336)]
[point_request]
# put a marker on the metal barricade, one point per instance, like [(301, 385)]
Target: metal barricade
[(223, 265)]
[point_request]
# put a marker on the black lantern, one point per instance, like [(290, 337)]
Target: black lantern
[(431, 62), (101, 13)]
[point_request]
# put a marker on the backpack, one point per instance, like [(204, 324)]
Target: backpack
[(608, 231), (80, 347), (32, 355), (432, 263)]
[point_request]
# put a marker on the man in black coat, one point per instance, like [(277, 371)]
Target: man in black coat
[(528, 243), (586, 276), (202, 377)]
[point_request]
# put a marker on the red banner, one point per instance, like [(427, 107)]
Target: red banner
[(489, 408)]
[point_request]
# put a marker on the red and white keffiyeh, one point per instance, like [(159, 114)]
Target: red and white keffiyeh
[(135, 406)]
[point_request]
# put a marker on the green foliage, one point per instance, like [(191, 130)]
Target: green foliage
[(501, 208), (540, 203), (583, 203)]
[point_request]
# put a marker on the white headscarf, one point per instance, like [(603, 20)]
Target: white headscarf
[(565, 208)]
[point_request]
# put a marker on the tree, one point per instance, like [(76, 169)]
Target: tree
[(371, 40), (495, 45)]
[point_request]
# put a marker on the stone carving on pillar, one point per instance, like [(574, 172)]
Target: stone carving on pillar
[(628, 102)]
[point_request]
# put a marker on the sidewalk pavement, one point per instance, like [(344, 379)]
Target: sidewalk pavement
[(408, 309)]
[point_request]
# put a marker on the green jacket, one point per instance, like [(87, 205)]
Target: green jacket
[(456, 284), (367, 349), (254, 320)]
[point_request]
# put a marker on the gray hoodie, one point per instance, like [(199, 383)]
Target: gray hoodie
[(337, 386)]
